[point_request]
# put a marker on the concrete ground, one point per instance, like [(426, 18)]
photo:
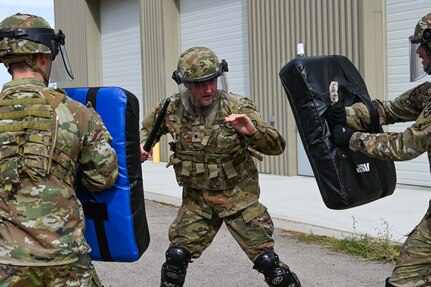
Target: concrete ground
[(294, 204), (224, 264)]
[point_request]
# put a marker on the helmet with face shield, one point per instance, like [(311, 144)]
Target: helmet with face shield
[(420, 45), (199, 74), (24, 35)]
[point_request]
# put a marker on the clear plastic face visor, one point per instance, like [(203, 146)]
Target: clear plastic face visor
[(199, 97), (61, 70), (416, 67)]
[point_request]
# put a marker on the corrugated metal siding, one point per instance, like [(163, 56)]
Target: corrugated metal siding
[(201, 26), (121, 46), (275, 27), (152, 60), (80, 25), (159, 25), (402, 16), (152, 53)]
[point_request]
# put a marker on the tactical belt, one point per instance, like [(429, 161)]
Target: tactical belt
[(200, 158)]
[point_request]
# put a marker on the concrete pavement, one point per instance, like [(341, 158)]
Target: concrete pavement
[(224, 264), (295, 203)]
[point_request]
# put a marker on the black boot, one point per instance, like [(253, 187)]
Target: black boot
[(388, 284)]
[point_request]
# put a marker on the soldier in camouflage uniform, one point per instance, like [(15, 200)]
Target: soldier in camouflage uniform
[(44, 135), (215, 134), (413, 268)]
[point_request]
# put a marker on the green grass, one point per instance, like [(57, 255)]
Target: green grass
[(381, 248)]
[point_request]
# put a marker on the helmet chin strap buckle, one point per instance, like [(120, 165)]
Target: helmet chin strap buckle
[(176, 77)]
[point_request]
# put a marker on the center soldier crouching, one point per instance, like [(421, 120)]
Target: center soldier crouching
[(215, 134)]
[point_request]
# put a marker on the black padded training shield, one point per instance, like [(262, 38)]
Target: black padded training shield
[(345, 178)]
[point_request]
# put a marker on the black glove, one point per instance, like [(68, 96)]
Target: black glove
[(341, 135), (336, 115)]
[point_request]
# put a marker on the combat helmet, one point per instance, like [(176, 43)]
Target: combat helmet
[(422, 33), (198, 64), (421, 38), (23, 35)]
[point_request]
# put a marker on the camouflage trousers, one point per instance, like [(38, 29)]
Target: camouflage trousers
[(252, 231), (80, 273), (413, 268)]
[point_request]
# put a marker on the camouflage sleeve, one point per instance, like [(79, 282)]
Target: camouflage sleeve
[(147, 125), (404, 108), (97, 159), (267, 139), (357, 117), (396, 146)]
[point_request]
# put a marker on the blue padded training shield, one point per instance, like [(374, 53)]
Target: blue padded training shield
[(116, 223)]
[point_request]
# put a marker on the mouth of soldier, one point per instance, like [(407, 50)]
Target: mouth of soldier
[(207, 97)]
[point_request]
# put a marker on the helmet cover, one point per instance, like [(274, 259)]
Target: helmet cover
[(198, 64), (13, 40)]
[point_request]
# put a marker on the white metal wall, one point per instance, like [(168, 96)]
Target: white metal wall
[(121, 46), (401, 18), (221, 26)]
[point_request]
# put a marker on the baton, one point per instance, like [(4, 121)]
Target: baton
[(150, 140)]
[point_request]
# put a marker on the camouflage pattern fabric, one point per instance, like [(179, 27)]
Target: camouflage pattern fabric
[(252, 229), (413, 105), (423, 24), (213, 162), (208, 153), (197, 63), (413, 268), (80, 273), (42, 221), (12, 46)]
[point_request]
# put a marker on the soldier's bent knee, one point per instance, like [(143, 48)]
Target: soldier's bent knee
[(175, 268), (276, 275)]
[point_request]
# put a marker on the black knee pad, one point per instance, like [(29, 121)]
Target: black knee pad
[(266, 262), (388, 284), (175, 268), (276, 275)]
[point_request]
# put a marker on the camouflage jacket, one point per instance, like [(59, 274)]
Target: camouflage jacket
[(41, 219), (208, 154), (413, 105)]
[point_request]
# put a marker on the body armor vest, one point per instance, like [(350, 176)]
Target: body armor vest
[(208, 153), (28, 136)]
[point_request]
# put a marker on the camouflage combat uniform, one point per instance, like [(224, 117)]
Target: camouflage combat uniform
[(414, 263), (214, 164), (44, 135)]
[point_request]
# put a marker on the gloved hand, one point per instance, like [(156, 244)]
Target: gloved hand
[(341, 135), (336, 115)]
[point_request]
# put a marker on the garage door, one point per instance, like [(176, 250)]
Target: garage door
[(402, 16), (221, 26), (121, 46)]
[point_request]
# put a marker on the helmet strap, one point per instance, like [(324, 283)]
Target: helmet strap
[(428, 51), (29, 60), (37, 69)]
